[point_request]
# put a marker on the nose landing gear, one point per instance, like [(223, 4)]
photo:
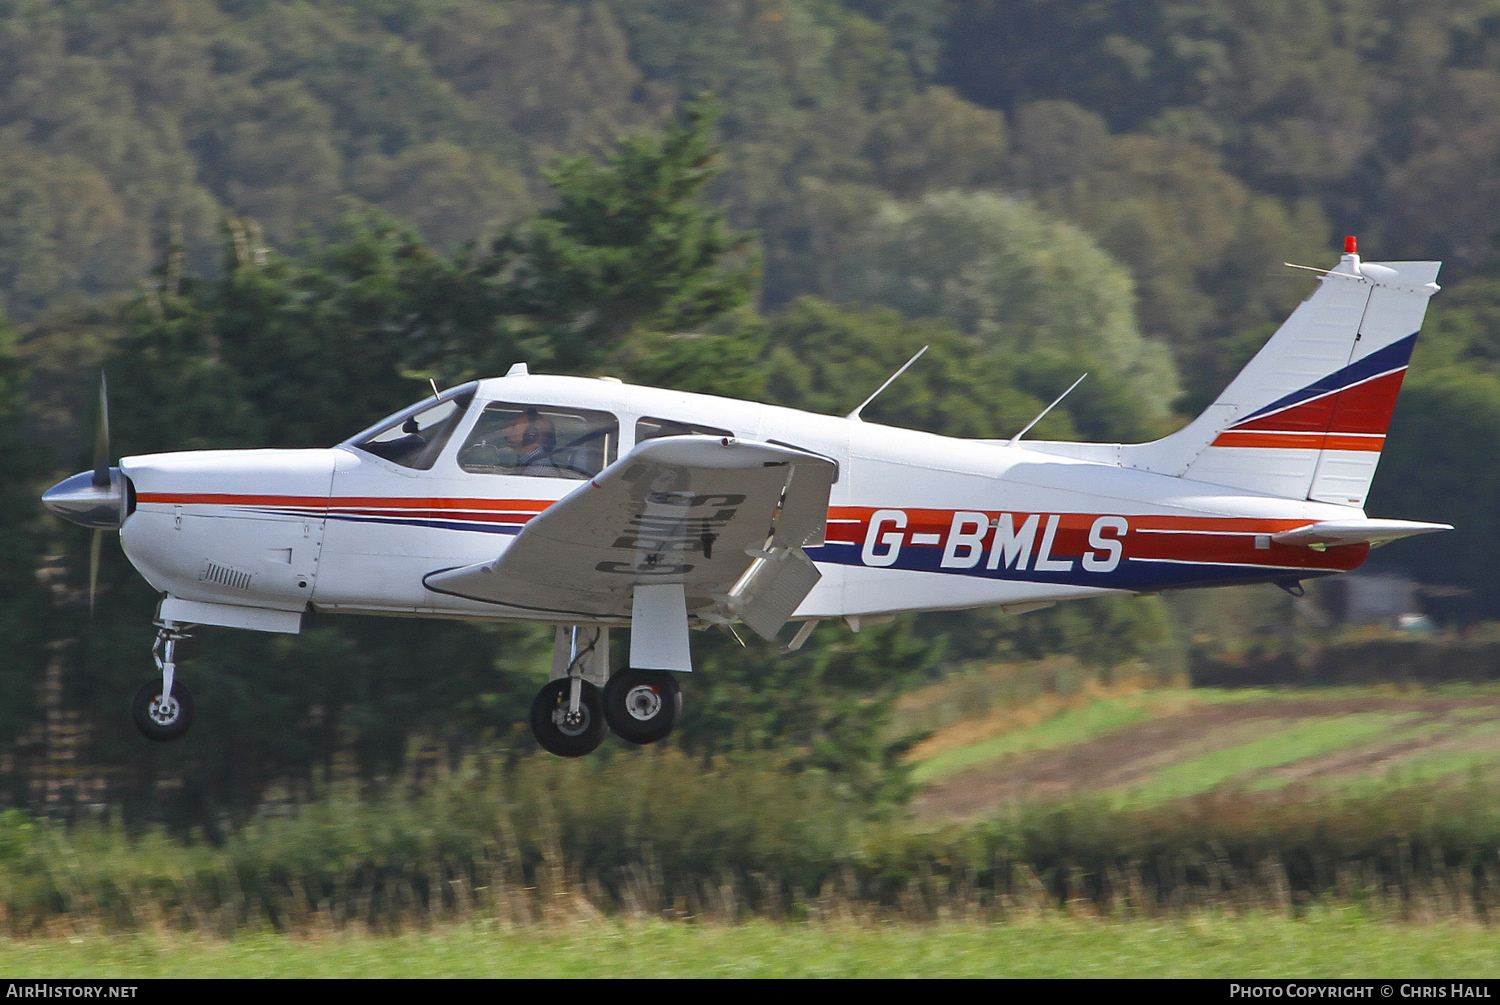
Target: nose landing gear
[(162, 709)]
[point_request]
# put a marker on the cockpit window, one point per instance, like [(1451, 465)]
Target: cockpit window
[(415, 437), (541, 441), (650, 429)]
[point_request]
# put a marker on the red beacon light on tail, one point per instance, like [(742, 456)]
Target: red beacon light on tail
[(1351, 245)]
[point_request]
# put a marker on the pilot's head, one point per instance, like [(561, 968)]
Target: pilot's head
[(530, 434)]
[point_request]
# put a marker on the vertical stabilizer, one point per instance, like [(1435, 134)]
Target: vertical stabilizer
[(1307, 417)]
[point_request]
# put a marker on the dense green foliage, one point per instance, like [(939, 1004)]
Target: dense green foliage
[(1028, 288), (1188, 139), (654, 834), (1440, 459)]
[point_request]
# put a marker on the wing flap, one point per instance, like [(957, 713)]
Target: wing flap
[(770, 590), (804, 512), (694, 510)]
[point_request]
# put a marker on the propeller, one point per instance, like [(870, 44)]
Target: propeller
[(101, 481), (94, 499), (101, 437)]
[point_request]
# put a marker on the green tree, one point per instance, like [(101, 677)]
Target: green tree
[(630, 247), (824, 357), (1202, 246), (1438, 464), (1020, 282), (558, 76), (827, 707), (936, 141)]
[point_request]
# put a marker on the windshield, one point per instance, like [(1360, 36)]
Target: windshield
[(415, 436)]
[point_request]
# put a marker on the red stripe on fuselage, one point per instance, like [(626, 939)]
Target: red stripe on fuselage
[(941, 519), (1158, 538), (1149, 537), (352, 503)]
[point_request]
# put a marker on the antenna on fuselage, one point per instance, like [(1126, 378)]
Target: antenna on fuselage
[(435, 393), (889, 381), (1042, 414)]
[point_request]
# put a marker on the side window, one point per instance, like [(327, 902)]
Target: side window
[(650, 429), (415, 437), (541, 441)]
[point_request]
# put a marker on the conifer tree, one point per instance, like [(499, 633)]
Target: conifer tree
[(630, 247)]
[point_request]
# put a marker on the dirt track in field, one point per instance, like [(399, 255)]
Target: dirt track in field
[(1133, 754)]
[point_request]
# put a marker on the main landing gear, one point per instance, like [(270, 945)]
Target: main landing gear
[(567, 717), (642, 706), (162, 708), (572, 712)]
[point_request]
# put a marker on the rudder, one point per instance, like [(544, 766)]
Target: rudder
[(1307, 417)]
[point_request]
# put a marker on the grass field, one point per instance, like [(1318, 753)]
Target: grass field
[(1328, 943), (1148, 746)]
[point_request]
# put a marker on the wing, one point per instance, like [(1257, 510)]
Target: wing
[(726, 518)]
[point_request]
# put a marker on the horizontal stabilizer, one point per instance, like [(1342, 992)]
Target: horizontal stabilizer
[(1332, 533)]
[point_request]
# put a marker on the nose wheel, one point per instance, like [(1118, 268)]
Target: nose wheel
[(162, 718)]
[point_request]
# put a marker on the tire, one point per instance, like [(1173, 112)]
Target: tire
[(155, 722), (642, 706), (556, 737)]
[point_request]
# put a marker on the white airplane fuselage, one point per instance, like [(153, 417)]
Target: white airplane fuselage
[(916, 521)]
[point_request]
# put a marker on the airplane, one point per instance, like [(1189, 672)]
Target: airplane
[(591, 504)]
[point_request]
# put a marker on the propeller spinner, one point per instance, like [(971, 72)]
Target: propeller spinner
[(95, 499)]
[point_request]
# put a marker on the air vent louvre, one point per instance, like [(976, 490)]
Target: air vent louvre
[(223, 575)]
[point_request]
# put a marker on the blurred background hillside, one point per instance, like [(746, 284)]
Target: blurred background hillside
[(271, 222)]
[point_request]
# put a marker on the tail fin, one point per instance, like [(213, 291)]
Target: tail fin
[(1307, 417)]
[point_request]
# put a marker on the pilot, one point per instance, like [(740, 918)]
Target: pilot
[(534, 439)]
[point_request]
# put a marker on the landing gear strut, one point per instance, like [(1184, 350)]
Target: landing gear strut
[(163, 708), (584, 700), (567, 718)]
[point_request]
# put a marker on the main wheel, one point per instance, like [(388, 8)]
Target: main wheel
[(561, 733), (160, 720), (642, 706)]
